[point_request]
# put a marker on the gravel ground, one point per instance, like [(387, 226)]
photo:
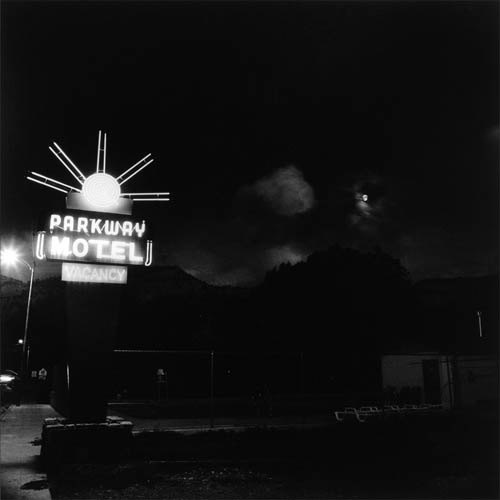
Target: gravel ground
[(443, 458), (255, 481)]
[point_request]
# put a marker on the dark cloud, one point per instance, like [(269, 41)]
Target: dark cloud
[(369, 204), (284, 253), (347, 98), (444, 252), (494, 134), (261, 231), (285, 191)]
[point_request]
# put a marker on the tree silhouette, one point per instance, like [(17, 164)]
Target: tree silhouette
[(340, 299)]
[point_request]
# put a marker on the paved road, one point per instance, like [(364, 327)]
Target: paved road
[(20, 473)]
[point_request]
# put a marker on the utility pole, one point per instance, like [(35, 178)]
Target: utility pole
[(480, 324), (211, 389), (302, 387)]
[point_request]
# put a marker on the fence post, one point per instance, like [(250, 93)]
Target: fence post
[(211, 389)]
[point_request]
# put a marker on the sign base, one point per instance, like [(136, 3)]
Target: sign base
[(64, 442), (92, 319)]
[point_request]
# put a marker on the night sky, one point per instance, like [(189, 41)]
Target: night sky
[(267, 122)]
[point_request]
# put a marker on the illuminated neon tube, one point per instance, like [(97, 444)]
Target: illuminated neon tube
[(39, 245), (149, 253)]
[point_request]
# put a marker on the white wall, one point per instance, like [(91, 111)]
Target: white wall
[(400, 370), (403, 370)]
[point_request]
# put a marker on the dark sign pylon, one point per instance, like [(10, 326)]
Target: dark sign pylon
[(95, 238)]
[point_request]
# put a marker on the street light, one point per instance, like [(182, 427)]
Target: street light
[(10, 257)]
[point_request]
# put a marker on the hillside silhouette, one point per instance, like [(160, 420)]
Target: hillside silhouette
[(341, 302)]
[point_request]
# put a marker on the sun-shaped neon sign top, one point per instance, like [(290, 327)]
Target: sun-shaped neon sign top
[(100, 189)]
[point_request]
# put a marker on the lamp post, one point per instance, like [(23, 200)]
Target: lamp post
[(10, 256)]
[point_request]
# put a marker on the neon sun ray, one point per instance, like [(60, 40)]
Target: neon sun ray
[(99, 185)]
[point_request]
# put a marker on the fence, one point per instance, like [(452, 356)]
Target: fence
[(206, 383)]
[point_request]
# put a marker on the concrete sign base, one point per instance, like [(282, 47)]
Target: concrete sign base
[(66, 443)]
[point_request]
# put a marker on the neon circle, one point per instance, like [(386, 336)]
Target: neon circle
[(101, 190)]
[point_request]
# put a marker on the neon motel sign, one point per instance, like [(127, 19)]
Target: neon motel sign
[(89, 239), (96, 238)]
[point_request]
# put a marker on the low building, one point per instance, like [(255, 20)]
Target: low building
[(477, 380), (434, 378)]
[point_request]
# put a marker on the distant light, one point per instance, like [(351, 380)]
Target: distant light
[(101, 190), (364, 197), (9, 256), (5, 379), (20, 341)]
